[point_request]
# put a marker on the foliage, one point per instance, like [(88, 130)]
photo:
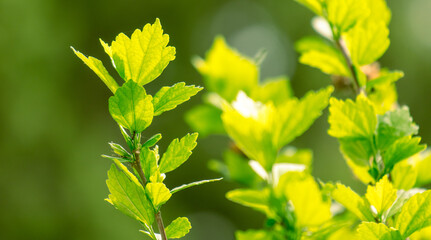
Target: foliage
[(377, 136), (135, 180)]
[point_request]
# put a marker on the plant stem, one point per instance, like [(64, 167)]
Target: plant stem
[(350, 65), (161, 225), (138, 167)]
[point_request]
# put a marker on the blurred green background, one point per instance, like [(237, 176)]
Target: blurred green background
[(55, 123)]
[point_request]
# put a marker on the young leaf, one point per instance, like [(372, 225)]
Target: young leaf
[(306, 198), (144, 56), (97, 66), (131, 107), (344, 14), (178, 228), (382, 195), (315, 52), (402, 149), (254, 235), (394, 125), (422, 164), (158, 193), (250, 124), (205, 119), (226, 72), (404, 175), (350, 119), (385, 77), (185, 186), (119, 150), (152, 140), (313, 5), (367, 42), (168, 98), (294, 117), (256, 199), (276, 90), (148, 160), (178, 152), (352, 201), (129, 196), (415, 214), (359, 150), (377, 231)]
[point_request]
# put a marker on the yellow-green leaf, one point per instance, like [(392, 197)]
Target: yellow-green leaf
[(367, 42), (415, 214), (382, 195), (352, 202), (377, 231), (131, 107), (144, 56), (97, 66), (304, 194), (168, 98), (158, 193), (178, 228), (178, 152), (129, 196), (226, 72)]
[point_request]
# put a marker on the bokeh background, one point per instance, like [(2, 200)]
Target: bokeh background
[(54, 121)]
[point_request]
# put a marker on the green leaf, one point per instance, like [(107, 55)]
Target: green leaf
[(402, 198), (255, 199), (178, 228), (402, 149), (377, 231), (250, 125), (144, 56), (394, 125), (382, 195), (148, 160), (97, 66), (379, 11), (350, 119), (168, 98), (415, 214), (226, 72), (158, 193), (294, 117), (276, 90), (205, 119), (359, 150), (315, 52), (185, 186), (352, 202), (255, 235), (422, 165), (385, 77), (178, 152), (152, 140), (128, 196), (131, 107), (367, 42), (313, 5), (344, 14), (404, 175), (309, 207)]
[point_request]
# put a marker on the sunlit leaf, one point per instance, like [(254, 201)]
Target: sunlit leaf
[(131, 107), (178, 152), (144, 56), (168, 98)]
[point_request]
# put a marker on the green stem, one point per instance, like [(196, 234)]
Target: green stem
[(138, 167), (350, 65)]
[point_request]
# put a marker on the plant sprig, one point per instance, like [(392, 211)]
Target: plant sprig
[(135, 179)]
